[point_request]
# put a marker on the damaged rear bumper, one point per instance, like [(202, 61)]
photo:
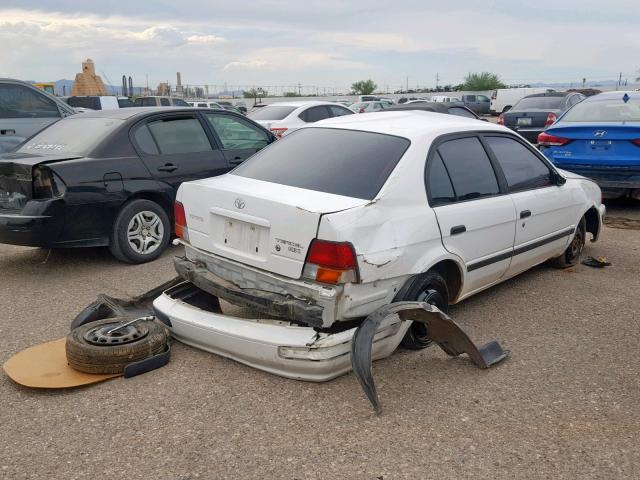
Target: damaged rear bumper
[(279, 347)]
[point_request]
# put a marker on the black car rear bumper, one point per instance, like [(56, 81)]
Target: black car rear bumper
[(531, 134), (38, 224)]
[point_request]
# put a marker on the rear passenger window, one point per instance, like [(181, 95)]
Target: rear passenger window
[(439, 185), (164, 102), (315, 114), (339, 111), (144, 141), (522, 168), (461, 112), (179, 135), (469, 168)]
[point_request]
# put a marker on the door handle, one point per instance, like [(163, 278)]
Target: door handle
[(458, 229), (525, 213), (168, 167)]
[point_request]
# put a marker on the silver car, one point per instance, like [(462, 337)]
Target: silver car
[(25, 110)]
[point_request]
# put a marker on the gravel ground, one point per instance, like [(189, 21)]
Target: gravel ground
[(564, 405)]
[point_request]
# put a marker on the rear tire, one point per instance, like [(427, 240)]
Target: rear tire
[(571, 256), (430, 288), (141, 232)]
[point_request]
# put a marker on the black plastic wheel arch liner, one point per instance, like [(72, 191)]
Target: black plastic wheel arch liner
[(441, 329), (108, 307)]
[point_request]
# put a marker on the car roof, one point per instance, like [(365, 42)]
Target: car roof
[(299, 103), (549, 94), (126, 113), (412, 124), (440, 107)]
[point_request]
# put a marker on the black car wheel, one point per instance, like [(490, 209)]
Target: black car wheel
[(432, 289), (571, 255), (141, 232)]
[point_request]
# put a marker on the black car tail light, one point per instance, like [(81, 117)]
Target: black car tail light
[(47, 184)]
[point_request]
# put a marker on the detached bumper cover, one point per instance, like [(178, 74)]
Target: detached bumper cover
[(278, 347)]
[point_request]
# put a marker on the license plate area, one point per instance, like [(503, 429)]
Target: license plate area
[(244, 237), (601, 145), (524, 121)]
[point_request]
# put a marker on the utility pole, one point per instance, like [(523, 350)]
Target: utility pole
[(299, 89), (620, 80), (584, 82), (407, 89), (437, 80)]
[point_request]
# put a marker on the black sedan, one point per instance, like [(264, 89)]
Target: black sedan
[(533, 113), (109, 177), (438, 107)]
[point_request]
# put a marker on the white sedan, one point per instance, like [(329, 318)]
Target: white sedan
[(346, 216), (282, 118)]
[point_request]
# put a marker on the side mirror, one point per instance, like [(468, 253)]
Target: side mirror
[(558, 179)]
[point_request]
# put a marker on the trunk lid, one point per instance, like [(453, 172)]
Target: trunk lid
[(597, 145), (527, 118), (16, 178), (262, 224)]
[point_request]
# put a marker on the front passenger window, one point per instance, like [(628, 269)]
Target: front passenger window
[(469, 168), (179, 135), (17, 101), (522, 168), (236, 134)]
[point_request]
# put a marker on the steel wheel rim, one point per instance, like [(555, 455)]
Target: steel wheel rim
[(145, 232)]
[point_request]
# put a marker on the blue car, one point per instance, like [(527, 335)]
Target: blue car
[(599, 138)]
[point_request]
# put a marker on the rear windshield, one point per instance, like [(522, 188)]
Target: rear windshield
[(542, 103), (343, 162), (77, 134), (605, 110), (271, 113)]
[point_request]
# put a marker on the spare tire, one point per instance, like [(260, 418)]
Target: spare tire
[(95, 348)]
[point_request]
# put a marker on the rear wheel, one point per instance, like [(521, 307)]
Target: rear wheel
[(571, 255), (432, 289), (141, 232)]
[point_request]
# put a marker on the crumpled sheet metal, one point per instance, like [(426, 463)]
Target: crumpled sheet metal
[(108, 307), (441, 329)]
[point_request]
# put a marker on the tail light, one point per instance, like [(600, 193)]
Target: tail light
[(494, 95), (47, 184), (331, 262), (279, 132), (180, 219), (551, 119), (501, 119), (546, 140), (636, 142)]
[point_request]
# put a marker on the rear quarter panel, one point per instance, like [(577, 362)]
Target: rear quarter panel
[(395, 235)]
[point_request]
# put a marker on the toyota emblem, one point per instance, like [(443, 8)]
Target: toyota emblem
[(599, 133), (239, 203)]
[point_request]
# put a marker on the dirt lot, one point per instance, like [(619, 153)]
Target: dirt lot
[(566, 404)]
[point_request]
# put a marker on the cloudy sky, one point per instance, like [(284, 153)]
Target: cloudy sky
[(328, 43)]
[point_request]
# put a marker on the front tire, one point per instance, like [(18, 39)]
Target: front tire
[(430, 288), (141, 232), (571, 256)]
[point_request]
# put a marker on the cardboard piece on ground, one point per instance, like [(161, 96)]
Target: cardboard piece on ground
[(45, 366)]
